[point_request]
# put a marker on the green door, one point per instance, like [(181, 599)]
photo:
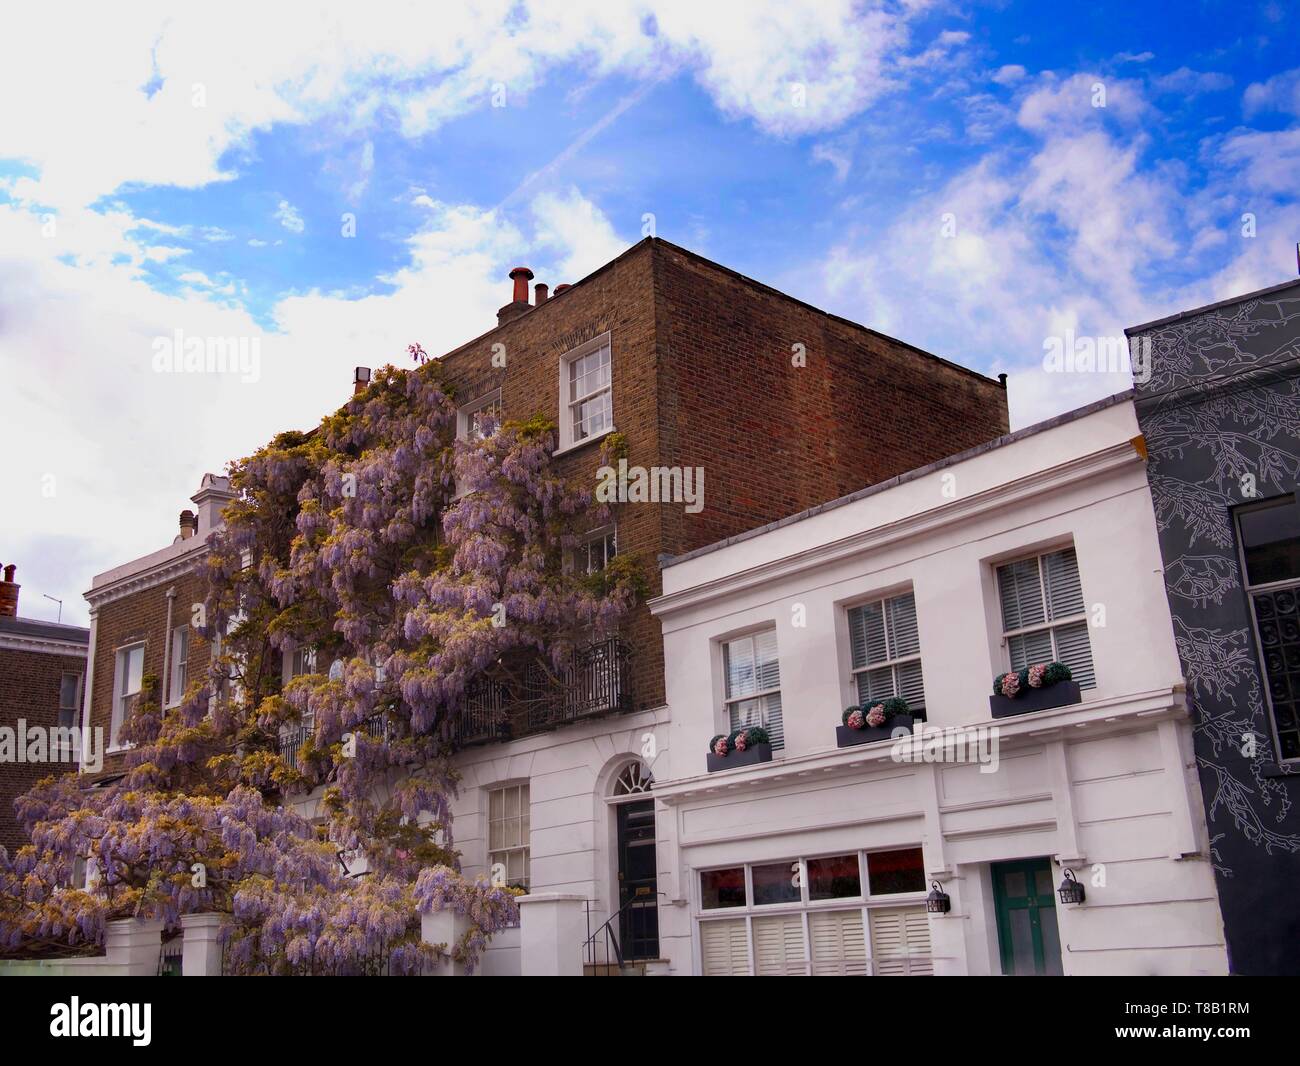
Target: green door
[(1026, 909)]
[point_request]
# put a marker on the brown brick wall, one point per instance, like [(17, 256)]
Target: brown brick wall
[(775, 438), (29, 689), (142, 616)]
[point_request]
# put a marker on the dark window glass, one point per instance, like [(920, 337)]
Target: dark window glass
[(723, 888), (1270, 538), (776, 883), (834, 878), (1278, 619), (896, 871)]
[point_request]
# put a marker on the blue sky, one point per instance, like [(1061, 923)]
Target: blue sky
[(942, 172)]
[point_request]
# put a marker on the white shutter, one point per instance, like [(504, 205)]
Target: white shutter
[(767, 667), (1030, 648), (867, 635), (1020, 590), (838, 946), (772, 720), (900, 942), (724, 948), (1073, 649), (778, 946), (1064, 591), (904, 637), (911, 686)]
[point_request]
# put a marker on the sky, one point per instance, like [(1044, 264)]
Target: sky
[(333, 182)]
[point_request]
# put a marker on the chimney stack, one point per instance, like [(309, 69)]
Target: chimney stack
[(560, 288), (540, 291), (189, 524), (521, 276), (360, 380), (9, 594)]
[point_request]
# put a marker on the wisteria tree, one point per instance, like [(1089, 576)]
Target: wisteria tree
[(414, 567)]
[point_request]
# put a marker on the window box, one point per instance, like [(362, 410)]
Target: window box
[(755, 753), (1062, 694), (847, 736)]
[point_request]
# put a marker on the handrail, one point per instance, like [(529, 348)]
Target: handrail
[(606, 927)]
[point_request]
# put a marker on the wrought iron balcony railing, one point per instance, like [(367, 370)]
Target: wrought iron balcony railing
[(595, 681)]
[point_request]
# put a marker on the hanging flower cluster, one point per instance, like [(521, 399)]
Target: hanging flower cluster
[(416, 567), (739, 740), (875, 713)]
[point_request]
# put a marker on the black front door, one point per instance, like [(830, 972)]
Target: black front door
[(637, 881)]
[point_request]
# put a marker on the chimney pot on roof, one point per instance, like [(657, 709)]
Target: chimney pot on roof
[(560, 288), (521, 276), (540, 291), (9, 593), (189, 524)]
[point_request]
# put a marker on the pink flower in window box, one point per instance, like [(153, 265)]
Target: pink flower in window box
[(856, 720), (876, 717), (1036, 673), (720, 746), (1010, 684)]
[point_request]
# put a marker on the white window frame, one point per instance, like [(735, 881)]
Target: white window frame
[(524, 792), (121, 676), (568, 438), (179, 665), (1051, 625), (892, 661), (582, 551), (465, 415), (762, 695)]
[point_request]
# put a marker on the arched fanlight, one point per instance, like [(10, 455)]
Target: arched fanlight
[(634, 779)]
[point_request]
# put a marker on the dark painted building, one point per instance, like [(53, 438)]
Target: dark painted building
[(1220, 412)]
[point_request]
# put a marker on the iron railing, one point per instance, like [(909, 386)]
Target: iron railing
[(604, 948), (594, 681)]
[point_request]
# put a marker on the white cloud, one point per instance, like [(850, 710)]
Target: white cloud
[(1280, 93), (287, 215), (1188, 83), (1009, 74)]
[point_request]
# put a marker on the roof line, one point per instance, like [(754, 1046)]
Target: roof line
[(904, 478), (1193, 312)]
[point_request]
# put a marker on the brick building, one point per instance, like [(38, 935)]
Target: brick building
[(140, 620), (42, 668)]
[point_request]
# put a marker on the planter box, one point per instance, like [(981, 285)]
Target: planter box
[(1062, 694), (755, 753), (846, 736)]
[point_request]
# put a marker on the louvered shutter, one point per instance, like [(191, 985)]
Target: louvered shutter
[(1020, 591), (838, 946), (779, 946), (867, 635), (900, 942), (911, 686), (904, 638), (767, 666), (1064, 590), (772, 720), (1074, 649), (724, 948), (1028, 648)]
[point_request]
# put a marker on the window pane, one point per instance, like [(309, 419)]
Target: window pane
[(722, 888), (779, 946), (867, 635), (904, 637), (896, 871), (134, 671), (876, 684), (1030, 648), (1073, 649), (1279, 636), (1270, 538), (834, 878), (739, 664), (767, 667), (776, 883), (1021, 594), (911, 685), (1064, 591), (68, 690)]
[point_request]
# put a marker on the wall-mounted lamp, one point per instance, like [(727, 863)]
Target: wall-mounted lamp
[(937, 902), (1070, 890)]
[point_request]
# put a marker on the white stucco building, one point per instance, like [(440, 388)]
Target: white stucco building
[(1039, 546)]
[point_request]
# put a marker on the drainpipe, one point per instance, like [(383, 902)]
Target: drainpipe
[(167, 650), (90, 687)]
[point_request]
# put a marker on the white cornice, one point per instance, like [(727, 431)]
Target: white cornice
[(159, 574), (1034, 485), (41, 645)]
